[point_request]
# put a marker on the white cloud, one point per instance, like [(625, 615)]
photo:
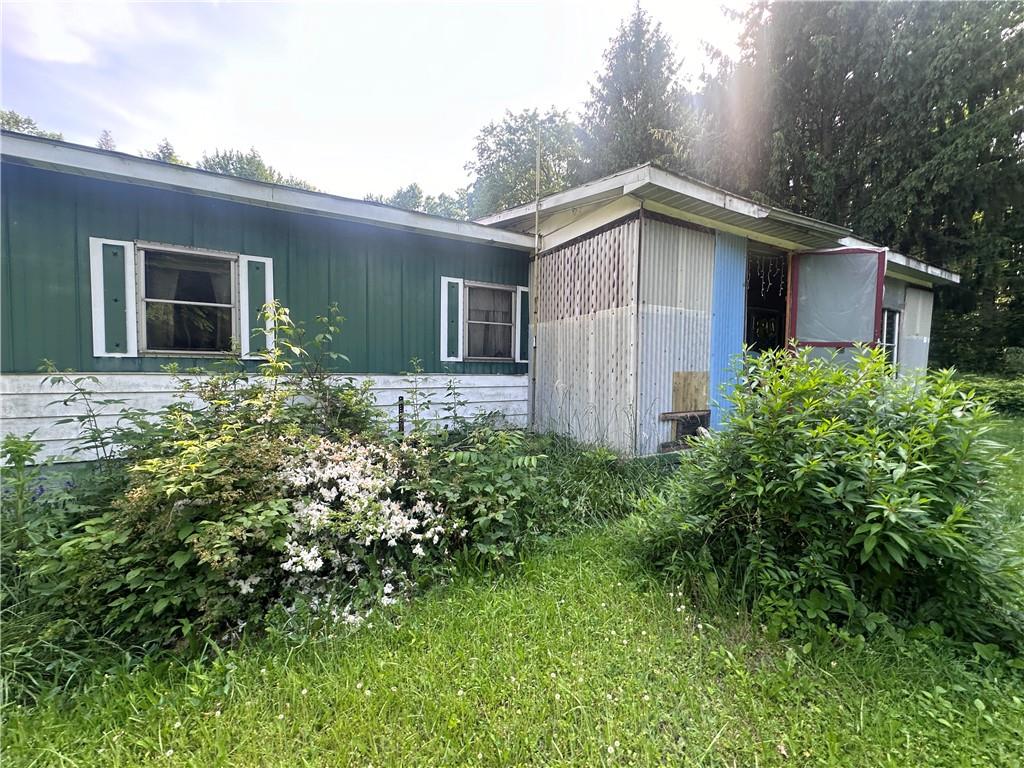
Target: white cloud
[(355, 98), (79, 33)]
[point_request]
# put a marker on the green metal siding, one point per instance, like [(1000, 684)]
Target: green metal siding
[(115, 300), (386, 282)]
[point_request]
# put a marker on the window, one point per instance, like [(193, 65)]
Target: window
[(891, 334), (188, 301), (490, 321)]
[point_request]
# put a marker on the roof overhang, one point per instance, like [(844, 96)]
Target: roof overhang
[(903, 267), (116, 166), (688, 199)]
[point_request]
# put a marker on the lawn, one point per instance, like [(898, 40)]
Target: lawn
[(576, 656)]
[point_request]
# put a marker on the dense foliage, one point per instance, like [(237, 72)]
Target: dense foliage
[(277, 494), (842, 498), (1006, 393)]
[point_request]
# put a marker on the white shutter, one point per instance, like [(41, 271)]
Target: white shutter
[(115, 331), (255, 288), (452, 325), (522, 340)]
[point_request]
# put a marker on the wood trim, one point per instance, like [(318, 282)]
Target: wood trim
[(243, 301), (794, 295), (665, 219), (446, 354)]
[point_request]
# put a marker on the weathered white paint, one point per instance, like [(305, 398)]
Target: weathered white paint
[(245, 342), (29, 404), (99, 325), (518, 327), (449, 355), (676, 278), (915, 329), (585, 328)]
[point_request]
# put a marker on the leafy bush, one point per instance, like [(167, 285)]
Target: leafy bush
[(842, 497), (487, 478), (1005, 394), (275, 493)]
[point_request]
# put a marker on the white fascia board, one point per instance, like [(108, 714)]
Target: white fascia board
[(606, 188), (61, 156), (930, 273), (702, 192), (906, 264)]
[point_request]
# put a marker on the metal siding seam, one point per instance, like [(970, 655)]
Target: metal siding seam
[(728, 318)]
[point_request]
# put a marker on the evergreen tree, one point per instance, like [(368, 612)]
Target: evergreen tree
[(902, 121), (106, 140), (636, 106), (165, 153)]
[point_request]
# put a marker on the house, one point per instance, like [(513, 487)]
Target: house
[(117, 265), (647, 284), (611, 311)]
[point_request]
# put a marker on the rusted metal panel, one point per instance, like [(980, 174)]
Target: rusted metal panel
[(676, 266)]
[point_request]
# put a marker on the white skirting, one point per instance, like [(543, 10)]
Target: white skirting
[(29, 404)]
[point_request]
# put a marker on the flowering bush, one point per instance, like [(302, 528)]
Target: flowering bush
[(358, 524)]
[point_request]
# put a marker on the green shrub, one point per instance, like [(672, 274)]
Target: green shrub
[(276, 493), (843, 498), (488, 478), (1006, 394)]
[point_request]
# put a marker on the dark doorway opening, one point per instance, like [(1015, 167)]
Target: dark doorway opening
[(767, 286)]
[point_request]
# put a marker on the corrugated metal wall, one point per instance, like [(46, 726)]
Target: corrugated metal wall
[(729, 317), (676, 265), (584, 295), (386, 281)]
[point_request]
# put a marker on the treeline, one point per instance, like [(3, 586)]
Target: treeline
[(234, 162), (902, 121)]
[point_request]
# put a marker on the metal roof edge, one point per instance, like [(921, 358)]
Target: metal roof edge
[(905, 265), (66, 157), (634, 179)]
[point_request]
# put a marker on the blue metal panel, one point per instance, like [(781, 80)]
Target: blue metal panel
[(728, 316)]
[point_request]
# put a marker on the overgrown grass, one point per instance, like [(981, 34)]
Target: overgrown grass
[(577, 658)]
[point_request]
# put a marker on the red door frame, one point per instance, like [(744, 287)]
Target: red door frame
[(794, 284)]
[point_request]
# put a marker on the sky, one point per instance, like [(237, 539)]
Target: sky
[(353, 97)]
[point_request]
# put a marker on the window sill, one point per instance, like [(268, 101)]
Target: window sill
[(185, 353)]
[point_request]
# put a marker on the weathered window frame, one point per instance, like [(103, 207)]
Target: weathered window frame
[(141, 249), (513, 292), (891, 317)]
